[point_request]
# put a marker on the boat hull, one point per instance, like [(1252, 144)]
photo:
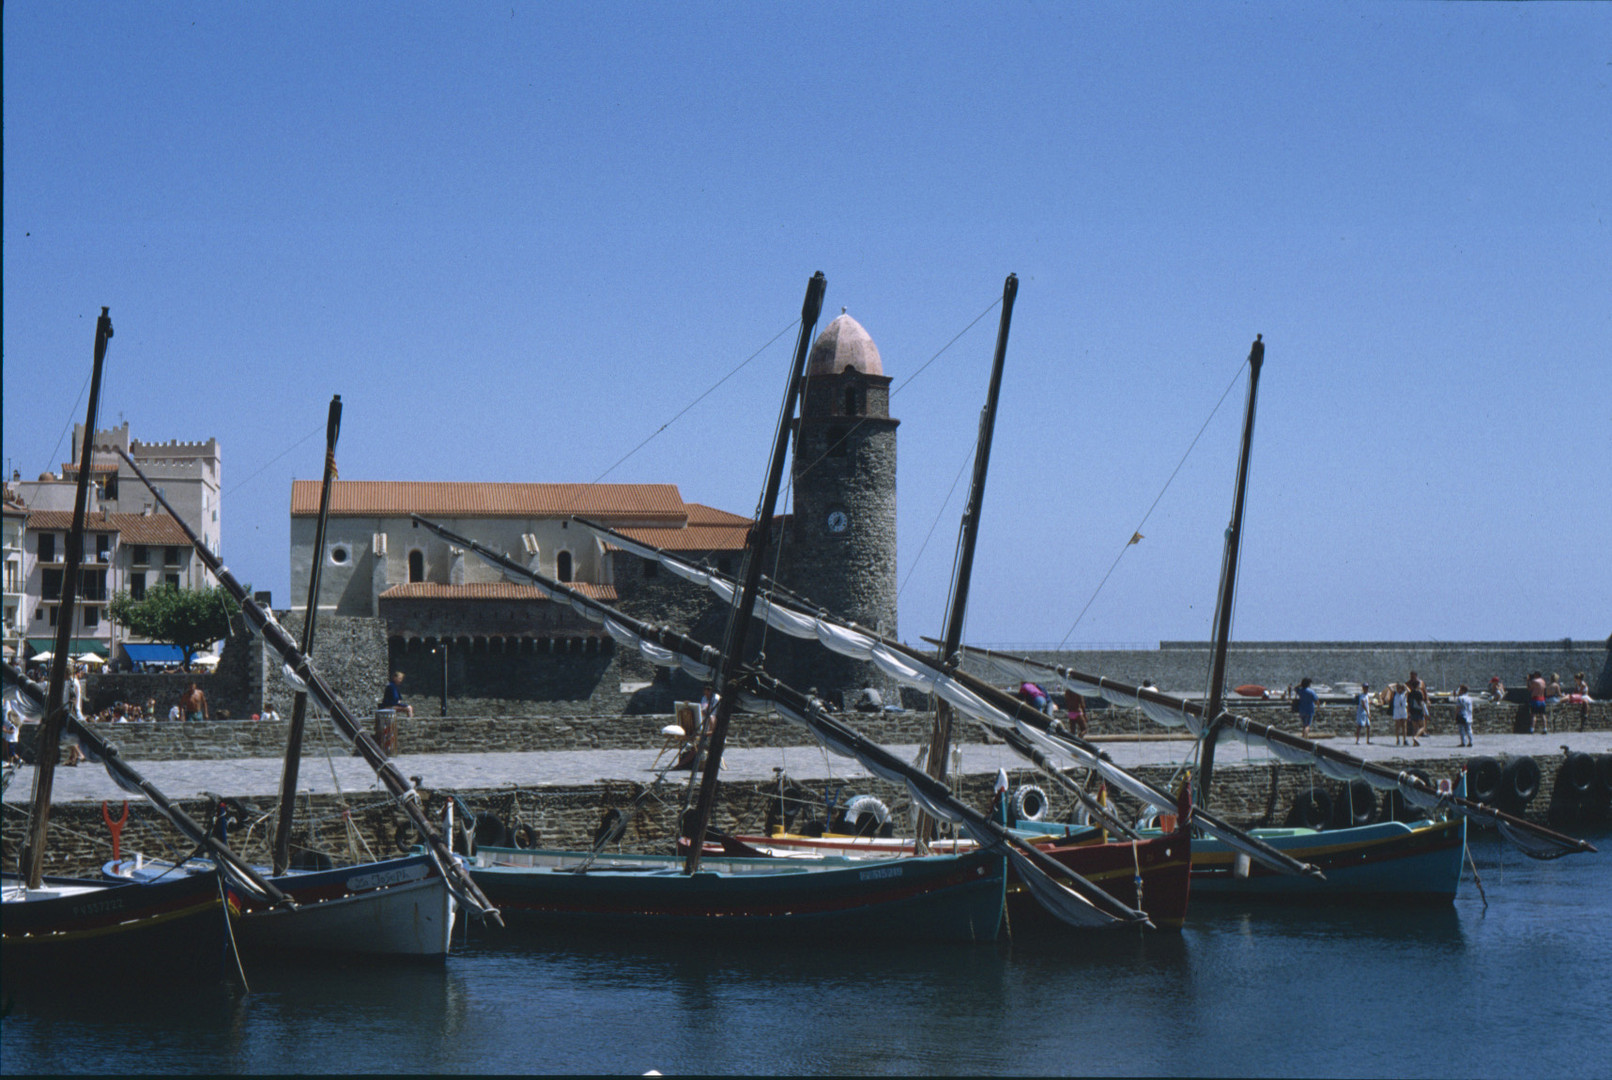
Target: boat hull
[(1386, 862), (935, 898), (1153, 875), (175, 930), (396, 907)]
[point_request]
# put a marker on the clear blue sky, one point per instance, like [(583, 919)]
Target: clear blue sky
[(518, 239)]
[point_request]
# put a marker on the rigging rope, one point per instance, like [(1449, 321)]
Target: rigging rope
[(707, 393), (272, 460), (1136, 533)]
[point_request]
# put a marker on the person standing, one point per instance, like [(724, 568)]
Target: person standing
[(1581, 698), (1304, 703), (1416, 708), (193, 704), (1400, 715), (1363, 714), (1463, 715), (1536, 705), (13, 731), (1075, 706)]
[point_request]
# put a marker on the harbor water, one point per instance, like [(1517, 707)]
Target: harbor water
[(1519, 986)]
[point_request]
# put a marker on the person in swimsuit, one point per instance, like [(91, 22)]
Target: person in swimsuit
[(1536, 705), (1581, 698), (193, 705)]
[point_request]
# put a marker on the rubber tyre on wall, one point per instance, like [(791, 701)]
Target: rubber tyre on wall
[(1029, 803), (1577, 774), (1312, 809), (1519, 783), (490, 831), (1354, 804), (1483, 778)]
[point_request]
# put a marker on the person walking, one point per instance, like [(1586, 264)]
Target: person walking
[(1463, 715), (1363, 714), (1304, 703), (1416, 708)]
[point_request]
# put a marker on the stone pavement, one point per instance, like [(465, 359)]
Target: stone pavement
[(259, 778)]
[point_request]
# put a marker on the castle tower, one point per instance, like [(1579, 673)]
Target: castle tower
[(840, 547)]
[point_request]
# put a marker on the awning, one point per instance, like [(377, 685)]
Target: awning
[(76, 646), (154, 654)]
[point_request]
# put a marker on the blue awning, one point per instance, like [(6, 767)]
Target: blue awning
[(155, 654)]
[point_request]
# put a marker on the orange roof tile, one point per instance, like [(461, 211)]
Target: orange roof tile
[(694, 538), (488, 590), (399, 498), (102, 466), (132, 528)]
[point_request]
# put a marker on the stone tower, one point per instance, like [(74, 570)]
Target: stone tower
[(840, 545)]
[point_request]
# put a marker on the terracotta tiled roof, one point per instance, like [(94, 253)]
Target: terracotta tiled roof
[(396, 498), (102, 466), (490, 590), (132, 528), (709, 529)]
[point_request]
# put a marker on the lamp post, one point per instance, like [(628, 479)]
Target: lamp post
[(443, 649)]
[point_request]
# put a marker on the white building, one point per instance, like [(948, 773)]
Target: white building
[(16, 518)]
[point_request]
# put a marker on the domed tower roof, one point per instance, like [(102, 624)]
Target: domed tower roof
[(841, 346)]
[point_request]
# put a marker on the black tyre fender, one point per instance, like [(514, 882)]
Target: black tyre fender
[(1483, 778), (1577, 774), (525, 837), (1519, 781), (405, 837), (1355, 804), (490, 831), (1312, 809)]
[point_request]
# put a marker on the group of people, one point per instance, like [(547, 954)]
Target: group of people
[(1408, 704)]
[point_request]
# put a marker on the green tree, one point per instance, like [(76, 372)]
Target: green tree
[(192, 619)]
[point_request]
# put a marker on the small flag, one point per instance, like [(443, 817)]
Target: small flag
[(1136, 538)]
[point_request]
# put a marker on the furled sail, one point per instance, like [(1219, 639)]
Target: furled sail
[(970, 696), (1541, 842), (1063, 892), (29, 698), (345, 723)]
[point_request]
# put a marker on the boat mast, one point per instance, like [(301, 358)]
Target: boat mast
[(50, 728), (941, 736), (755, 546), (299, 707), (1228, 581)]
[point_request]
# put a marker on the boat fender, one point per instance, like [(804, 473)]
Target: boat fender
[(1519, 782), (1312, 809), (490, 831), (405, 837), (1029, 803), (1577, 774), (1080, 816), (525, 836), (1355, 804), (1483, 778), (866, 813)]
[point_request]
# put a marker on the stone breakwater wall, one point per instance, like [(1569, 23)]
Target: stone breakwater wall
[(366, 825), (164, 741)]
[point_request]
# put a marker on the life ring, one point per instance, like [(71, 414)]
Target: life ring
[(1483, 778), (1029, 803), (1577, 774), (1312, 809), (525, 837), (1356, 804), (1519, 782), (866, 814)]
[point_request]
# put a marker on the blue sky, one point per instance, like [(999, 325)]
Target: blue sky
[(519, 239)]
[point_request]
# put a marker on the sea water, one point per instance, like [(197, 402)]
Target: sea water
[(1519, 986)]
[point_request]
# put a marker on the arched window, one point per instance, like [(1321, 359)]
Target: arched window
[(562, 566), (416, 565)]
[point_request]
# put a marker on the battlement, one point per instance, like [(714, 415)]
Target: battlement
[(173, 448)]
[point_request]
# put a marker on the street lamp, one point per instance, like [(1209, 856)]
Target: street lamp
[(443, 649)]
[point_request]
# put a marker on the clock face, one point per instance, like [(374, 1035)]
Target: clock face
[(838, 522)]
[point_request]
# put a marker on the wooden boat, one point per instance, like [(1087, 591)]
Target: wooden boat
[(394, 907), (937, 897), (67, 930), (954, 898)]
